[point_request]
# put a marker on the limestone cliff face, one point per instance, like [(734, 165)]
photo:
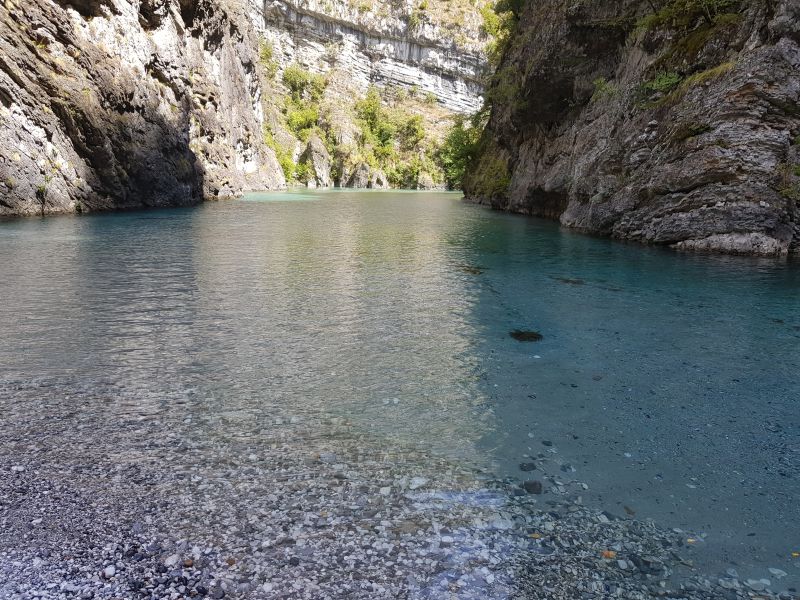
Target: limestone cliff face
[(667, 127), (126, 103), (388, 43)]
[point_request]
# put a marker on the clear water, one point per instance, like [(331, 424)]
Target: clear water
[(668, 382)]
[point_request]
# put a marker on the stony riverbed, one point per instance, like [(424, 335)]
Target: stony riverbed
[(156, 503)]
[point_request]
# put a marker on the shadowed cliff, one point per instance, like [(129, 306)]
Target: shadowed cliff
[(674, 122), (114, 104)]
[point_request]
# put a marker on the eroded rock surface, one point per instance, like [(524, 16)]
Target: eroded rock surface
[(387, 43), (318, 162), (121, 104), (680, 131)]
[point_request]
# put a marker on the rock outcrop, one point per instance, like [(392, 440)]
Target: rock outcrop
[(318, 163), (366, 177), (676, 127), (125, 103)]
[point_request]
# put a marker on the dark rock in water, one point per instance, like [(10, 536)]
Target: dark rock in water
[(547, 443), (569, 280), (471, 270), (527, 466), (532, 486), (525, 336)]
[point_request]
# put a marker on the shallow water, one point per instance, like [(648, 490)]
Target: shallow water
[(667, 382)]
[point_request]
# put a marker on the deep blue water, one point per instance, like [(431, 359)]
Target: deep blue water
[(667, 382)]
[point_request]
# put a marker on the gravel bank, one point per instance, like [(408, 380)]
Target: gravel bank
[(111, 493)]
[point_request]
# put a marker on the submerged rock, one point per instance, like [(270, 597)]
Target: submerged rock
[(532, 486), (525, 336)]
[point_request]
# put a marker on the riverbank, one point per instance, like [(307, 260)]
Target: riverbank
[(155, 503)]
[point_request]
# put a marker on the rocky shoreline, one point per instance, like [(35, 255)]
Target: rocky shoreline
[(145, 499)]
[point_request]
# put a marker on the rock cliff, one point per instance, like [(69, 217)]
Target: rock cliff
[(426, 59), (390, 43), (672, 122), (126, 103)]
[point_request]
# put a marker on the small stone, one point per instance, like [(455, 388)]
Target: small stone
[(532, 486), (622, 564), (109, 571), (294, 561), (777, 572), (327, 457), (527, 466), (417, 482), (17, 468), (758, 585), (172, 560), (188, 563), (547, 443)]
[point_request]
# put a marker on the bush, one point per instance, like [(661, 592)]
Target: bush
[(301, 117), (662, 83), (288, 165), (411, 132), (458, 150), (369, 108), (603, 89), (682, 14), (302, 83), (266, 57)]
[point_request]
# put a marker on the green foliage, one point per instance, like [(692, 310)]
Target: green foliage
[(491, 20), (499, 23), (288, 166), (505, 89), (303, 84), (414, 20), (370, 109), (513, 7), (603, 89), (266, 58), (708, 74), (664, 82), (301, 117), (491, 178), (458, 150), (682, 14), (411, 132)]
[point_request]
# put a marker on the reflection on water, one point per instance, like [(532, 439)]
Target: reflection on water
[(667, 382)]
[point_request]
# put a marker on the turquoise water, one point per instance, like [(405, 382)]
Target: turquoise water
[(668, 383)]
